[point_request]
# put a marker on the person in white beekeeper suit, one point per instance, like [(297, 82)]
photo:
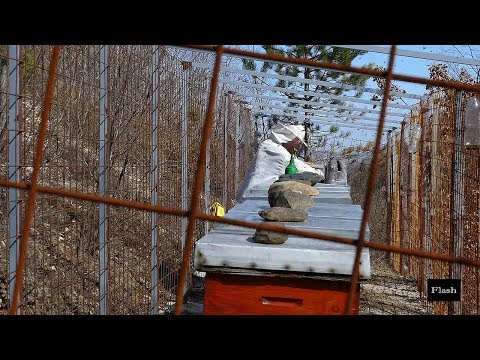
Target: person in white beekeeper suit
[(273, 156)]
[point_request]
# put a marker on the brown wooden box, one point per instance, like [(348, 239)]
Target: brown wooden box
[(237, 294)]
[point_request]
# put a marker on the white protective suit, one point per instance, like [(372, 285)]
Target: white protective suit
[(272, 158)]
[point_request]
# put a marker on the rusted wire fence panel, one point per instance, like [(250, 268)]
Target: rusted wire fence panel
[(4, 233), (61, 274), (218, 164), (126, 123), (128, 177), (246, 145), (404, 171), (171, 157), (231, 151), (440, 184), (470, 275), (396, 201), (413, 205)]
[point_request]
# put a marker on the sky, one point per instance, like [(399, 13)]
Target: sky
[(403, 65), (407, 66)]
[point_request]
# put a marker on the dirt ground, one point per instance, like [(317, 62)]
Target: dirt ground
[(389, 293)]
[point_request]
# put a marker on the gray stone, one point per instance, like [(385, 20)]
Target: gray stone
[(306, 182), (283, 214), (289, 199), (269, 237), (293, 185), (306, 175)]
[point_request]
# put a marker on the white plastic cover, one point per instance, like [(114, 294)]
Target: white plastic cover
[(272, 158), (285, 133)]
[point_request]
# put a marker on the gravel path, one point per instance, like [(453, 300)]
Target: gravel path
[(389, 293)]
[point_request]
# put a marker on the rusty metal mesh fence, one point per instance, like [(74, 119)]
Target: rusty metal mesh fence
[(128, 123), (4, 251), (128, 120), (433, 199)]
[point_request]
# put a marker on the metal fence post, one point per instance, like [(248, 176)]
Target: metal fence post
[(457, 204), (391, 194), (396, 199), (104, 146), (408, 206), (387, 193), (154, 184), (237, 146), (225, 150), (207, 183), (184, 111), (421, 199), (401, 188), (434, 203), (13, 163)]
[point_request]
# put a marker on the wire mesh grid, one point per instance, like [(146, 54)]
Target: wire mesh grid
[(4, 241), (149, 95), (102, 136), (430, 206)]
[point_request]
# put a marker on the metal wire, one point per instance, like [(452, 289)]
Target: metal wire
[(436, 200), (33, 184), (431, 235), (64, 262), (371, 186)]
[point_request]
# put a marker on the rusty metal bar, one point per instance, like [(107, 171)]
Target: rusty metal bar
[(440, 83), (154, 184), (199, 178), (261, 226), (14, 220), (315, 82), (372, 179), (104, 158), (96, 198), (184, 111), (414, 54), (138, 205), (47, 105)]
